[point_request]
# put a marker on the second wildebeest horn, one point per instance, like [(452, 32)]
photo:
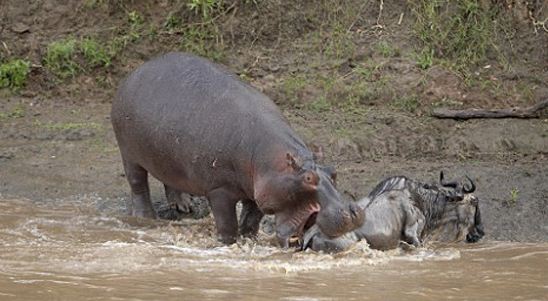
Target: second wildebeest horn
[(472, 186), (449, 184)]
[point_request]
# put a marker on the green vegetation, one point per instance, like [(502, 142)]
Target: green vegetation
[(320, 105), (459, 32), (135, 21), (65, 126), (13, 74), (95, 54), (340, 44), (425, 58), (514, 193), (293, 86), (204, 7), (60, 58), (172, 22), (17, 112), (386, 50), (66, 58), (204, 40), (406, 103)]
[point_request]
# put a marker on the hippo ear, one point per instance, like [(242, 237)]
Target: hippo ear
[(317, 152), (331, 172), (292, 162)]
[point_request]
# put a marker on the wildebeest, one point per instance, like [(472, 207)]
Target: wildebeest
[(400, 209)]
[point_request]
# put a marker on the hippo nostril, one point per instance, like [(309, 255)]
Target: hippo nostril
[(471, 238), (353, 211)]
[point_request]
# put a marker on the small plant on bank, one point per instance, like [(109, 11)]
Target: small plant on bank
[(13, 74), (425, 59), (17, 112), (60, 58), (96, 55), (514, 193), (407, 103), (66, 58), (204, 7), (134, 18), (386, 50), (204, 40), (320, 105), (172, 22), (293, 86)]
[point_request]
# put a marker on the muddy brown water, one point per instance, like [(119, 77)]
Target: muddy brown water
[(71, 252)]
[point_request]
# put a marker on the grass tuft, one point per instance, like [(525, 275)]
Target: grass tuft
[(60, 58), (460, 31), (95, 54), (13, 74)]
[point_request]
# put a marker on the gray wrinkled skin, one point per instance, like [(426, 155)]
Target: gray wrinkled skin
[(199, 129), (400, 209)]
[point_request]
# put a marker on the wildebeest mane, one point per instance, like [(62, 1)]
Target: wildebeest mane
[(430, 199)]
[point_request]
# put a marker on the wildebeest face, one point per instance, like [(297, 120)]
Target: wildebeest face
[(462, 218), (461, 221), (475, 232)]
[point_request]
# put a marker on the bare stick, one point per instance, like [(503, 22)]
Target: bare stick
[(529, 112)]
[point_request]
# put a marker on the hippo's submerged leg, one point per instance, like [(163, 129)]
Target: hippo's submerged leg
[(137, 178), (176, 201), (250, 219)]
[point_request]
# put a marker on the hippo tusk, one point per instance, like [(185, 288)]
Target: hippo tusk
[(472, 186)]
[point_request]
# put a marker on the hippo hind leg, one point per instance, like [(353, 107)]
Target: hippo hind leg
[(137, 178), (176, 200), (250, 219)]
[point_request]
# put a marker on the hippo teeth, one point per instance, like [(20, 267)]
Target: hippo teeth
[(309, 219)]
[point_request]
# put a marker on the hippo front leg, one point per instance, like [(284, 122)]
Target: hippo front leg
[(223, 205), (250, 219)]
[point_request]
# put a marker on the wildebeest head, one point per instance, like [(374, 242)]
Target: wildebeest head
[(460, 218)]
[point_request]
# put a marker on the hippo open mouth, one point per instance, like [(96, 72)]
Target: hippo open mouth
[(291, 226)]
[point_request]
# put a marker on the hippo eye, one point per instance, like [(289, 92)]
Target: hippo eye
[(310, 178)]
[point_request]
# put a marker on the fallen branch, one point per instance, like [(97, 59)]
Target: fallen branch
[(529, 112)]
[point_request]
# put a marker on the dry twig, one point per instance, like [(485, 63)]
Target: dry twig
[(529, 112)]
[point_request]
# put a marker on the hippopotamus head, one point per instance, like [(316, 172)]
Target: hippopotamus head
[(303, 194)]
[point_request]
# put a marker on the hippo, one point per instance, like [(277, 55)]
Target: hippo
[(199, 129), (400, 209)]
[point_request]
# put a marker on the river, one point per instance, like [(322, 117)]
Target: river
[(66, 251)]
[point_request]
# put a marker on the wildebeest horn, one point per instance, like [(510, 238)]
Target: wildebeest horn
[(444, 184), (472, 186)]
